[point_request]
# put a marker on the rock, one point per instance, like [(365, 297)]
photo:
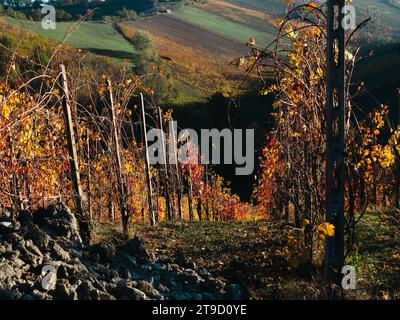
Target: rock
[(136, 248), (65, 291), (72, 272), (104, 252), (204, 273), (213, 285), (181, 296), (181, 258), (234, 292), (127, 274), (38, 237), (191, 265), (190, 276), (38, 295), (161, 288), (135, 294), (50, 237), (5, 227), (59, 253), (32, 248), (207, 296), (197, 296), (13, 257), (155, 279), (58, 220), (86, 291), (30, 254), (7, 271), (146, 267), (174, 269), (14, 238), (7, 294), (76, 254), (147, 288), (5, 247), (174, 286), (159, 267), (102, 271), (24, 217), (6, 214), (126, 290)]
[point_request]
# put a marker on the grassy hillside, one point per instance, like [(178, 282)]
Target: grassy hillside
[(199, 42), (221, 25), (388, 11), (262, 5), (197, 57), (97, 37), (252, 18)]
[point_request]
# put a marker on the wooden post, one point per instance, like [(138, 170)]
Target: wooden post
[(190, 193), (120, 177), (170, 214), (73, 157), (207, 186), (178, 176), (147, 161), (89, 177)]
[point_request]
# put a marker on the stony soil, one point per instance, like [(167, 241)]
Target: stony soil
[(42, 257)]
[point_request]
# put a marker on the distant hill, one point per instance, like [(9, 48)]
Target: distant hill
[(381, 75)]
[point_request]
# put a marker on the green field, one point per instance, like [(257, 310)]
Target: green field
[(262, 5), (388, 11), (97, 37), (221, 26)]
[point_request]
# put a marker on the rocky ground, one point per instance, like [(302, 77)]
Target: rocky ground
[(42, 257)]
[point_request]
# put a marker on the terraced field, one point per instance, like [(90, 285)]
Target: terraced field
[(199, 42), (189, 34), (197, 56)]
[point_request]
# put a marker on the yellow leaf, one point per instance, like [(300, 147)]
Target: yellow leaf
[(305, 222), (326, 229), (311, 6), (330, 228)]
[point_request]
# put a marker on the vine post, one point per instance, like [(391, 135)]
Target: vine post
[(335, 165), (73, 156), (122, 189), (147, 161)]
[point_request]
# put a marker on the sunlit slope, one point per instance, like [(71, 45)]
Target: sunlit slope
[(96, 37)]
